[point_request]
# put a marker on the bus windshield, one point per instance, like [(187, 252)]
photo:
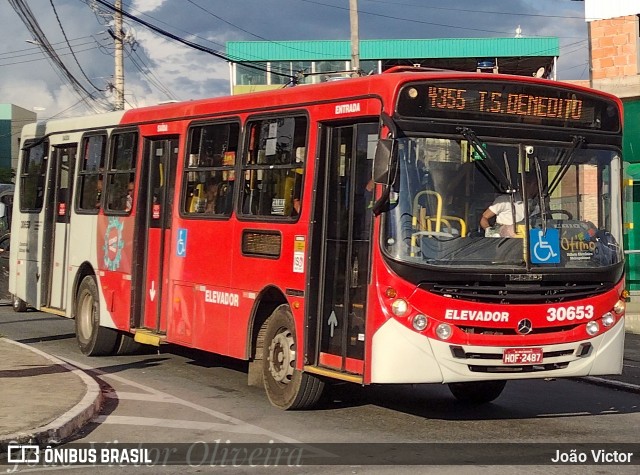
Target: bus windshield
[(565, 195)]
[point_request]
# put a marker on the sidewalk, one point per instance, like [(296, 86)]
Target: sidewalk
[(44, 399)]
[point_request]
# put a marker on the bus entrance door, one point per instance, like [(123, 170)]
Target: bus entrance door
[(156, 186), (56, 228), (345, 246)]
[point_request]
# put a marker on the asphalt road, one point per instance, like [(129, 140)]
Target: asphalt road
[(180, 395)]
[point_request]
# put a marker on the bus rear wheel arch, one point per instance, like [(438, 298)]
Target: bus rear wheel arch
[(477, 392), (92, 339), (287, 387)]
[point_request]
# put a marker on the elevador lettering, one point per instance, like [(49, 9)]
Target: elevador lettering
[(476, 315)]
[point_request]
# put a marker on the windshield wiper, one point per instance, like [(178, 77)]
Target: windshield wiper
[(486, 164), (541, 198), (565, 162)]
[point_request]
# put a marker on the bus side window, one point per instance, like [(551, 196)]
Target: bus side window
[(120, 180), (210, 169), (273, 167), (90, 174)]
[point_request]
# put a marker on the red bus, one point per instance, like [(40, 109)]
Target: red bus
[(332, 232)]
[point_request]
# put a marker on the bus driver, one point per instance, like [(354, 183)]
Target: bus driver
[(504, 212)]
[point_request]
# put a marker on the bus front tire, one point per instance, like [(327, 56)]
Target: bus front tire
[(477, 392), (18, 304), (286, 386), (92, 339)]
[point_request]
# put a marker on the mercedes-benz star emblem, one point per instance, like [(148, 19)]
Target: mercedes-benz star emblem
[(524, 326)]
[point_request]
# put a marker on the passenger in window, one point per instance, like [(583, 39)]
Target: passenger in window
[(99, 193), (297, 192), (129, 198), (211, 195)]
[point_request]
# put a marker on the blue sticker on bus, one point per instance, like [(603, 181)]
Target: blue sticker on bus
[(181, 245), (544, 247)]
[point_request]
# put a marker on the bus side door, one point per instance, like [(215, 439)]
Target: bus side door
[(56, 227), (154, 233), (344, 237)]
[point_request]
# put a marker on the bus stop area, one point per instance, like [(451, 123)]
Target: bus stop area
[(46, 400)]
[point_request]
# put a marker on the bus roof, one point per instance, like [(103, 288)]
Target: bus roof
[(379, 85)]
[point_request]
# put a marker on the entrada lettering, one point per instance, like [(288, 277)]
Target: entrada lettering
[(348, 108)]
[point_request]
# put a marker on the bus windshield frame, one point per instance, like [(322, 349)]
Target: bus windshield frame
[(560, 195)]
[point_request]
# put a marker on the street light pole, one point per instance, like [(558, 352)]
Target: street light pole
[(119, 58), (355, 40)]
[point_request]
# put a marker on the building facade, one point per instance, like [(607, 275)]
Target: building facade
[(12, 119), (614, 57), (261, 65)]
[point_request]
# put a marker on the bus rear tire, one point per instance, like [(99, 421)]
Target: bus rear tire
[(477, 392), (92, 339), (18, 304), (286, 387)]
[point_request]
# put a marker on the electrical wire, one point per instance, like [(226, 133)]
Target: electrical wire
[(188, 43), (411, 20), (64, 34), (28, 18)]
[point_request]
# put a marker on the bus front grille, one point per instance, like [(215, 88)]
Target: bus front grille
[(529, 293), (517, 369)]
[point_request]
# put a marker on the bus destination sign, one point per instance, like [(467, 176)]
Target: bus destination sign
[(508, 102)]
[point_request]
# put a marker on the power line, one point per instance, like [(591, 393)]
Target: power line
[(148, 74), (38, 50), (30, 21), (64, 34), (188, 43), (412, 20), (44, 57), (253, 34), (486, 12)]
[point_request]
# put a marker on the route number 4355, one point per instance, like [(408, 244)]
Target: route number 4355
[(579, 312)]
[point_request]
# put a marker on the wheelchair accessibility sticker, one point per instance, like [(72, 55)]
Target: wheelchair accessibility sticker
[(181, 245), (545, 248)]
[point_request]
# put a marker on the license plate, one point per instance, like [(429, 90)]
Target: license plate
[(522, 356)]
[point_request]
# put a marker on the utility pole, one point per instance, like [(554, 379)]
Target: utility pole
[(119, 58), (355, 39)]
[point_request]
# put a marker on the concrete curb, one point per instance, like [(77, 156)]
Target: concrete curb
[(68, 423), (632, 322), (611, 383)]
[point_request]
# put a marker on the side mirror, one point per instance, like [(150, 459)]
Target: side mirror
[(384, 152)]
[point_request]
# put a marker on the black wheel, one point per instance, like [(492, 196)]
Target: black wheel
[(477, 392), (18, 304), (126, 345), (92, 339), (287, 387)]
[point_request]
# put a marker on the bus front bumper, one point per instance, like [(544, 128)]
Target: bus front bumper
[(403, 356)]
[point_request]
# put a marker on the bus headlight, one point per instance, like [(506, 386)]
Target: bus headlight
[(444, 331), (399, 307), (419, 322), (620, 307), (608, 319), (593, 328)]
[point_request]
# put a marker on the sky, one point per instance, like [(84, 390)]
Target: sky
[(158, 69)]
